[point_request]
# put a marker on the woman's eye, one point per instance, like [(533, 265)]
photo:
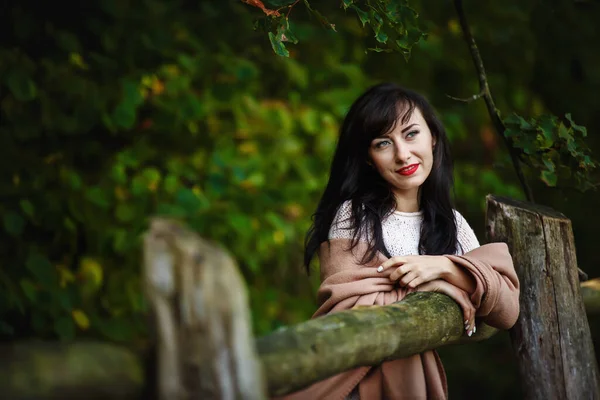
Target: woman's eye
[(381, 144), (412, 134)]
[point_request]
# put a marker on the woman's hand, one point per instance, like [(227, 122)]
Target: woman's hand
[(458, 295), (412, 271)]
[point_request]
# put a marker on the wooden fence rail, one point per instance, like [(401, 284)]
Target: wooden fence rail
[(295, 356)]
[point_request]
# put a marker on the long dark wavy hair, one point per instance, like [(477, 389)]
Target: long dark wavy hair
[(351, 177)]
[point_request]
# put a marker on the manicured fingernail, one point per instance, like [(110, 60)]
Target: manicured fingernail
[(380, 268), (470, 333), (466, 322), (474, 329)]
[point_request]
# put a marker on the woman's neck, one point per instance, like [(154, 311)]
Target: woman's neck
[(407, 202)]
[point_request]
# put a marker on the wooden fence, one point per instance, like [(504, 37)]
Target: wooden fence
[(204, 348)]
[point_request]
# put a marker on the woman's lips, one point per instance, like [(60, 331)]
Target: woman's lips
[(411, 169)]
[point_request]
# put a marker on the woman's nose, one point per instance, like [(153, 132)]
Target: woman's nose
[(402, 153)]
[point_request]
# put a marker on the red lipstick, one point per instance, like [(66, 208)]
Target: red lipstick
[(409, 170)]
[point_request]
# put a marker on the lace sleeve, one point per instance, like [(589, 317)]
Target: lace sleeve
[(467, 240), (341, 227)]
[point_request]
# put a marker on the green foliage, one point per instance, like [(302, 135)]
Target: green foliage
[(142, 123), (555, 148), (394, 24)]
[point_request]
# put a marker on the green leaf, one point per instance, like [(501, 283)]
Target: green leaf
[(320, 17), (27, 207), (21, 85), (513, 119), (125, 212), (124, 116), (132, 96), (578, 128), (98, 197), (71, 178), (362, 15), (284, 33), (563, 132), (117, 329), (120, 243), (171, 183), (347, 3), (29, 290), (278, 46), (379, 50), (511, 133), (65, 328), (13, 223), (42, 269), (549, 178), (549, 164), (119, 174), (190, 201)]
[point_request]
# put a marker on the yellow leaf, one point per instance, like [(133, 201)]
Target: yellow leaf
[(454, 26), (52, 158), (146, 80), (193, 127), (77, 60), (120, 193), (247, 184), (172, 70), (152, 186), (91, 270), (196, 190), (248, 148), (80, 319), (157, 87), (65, 276), (278, 236), (293, 211)]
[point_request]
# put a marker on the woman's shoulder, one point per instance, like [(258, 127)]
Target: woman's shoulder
[(342, 225), (458, 217), (467, 239)]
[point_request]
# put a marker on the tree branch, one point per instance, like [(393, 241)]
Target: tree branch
[(468, 99), (487, 96)]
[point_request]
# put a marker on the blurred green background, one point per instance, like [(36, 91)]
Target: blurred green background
[(114, 111)]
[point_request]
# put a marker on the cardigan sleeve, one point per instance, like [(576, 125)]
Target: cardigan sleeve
[(496, 295)]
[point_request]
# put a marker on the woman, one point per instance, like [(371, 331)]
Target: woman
[(385, 227)]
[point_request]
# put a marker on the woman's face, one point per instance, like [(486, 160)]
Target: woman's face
[(404, 155)]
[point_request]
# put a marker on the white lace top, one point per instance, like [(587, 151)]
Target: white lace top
[(401, 231)]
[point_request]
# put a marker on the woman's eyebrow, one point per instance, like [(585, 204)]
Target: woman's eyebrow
[(408, 127), (383, 135)]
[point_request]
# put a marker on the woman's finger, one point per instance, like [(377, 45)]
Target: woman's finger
[(408, 277), (400, 272), (390, 262), (463, 300)]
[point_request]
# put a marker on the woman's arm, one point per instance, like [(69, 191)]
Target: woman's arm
[(457, 276)]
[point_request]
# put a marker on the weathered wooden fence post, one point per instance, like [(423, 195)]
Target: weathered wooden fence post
[(551, 339), (204, 342)]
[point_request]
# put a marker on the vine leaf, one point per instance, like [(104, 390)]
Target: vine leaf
[(555, 148)]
